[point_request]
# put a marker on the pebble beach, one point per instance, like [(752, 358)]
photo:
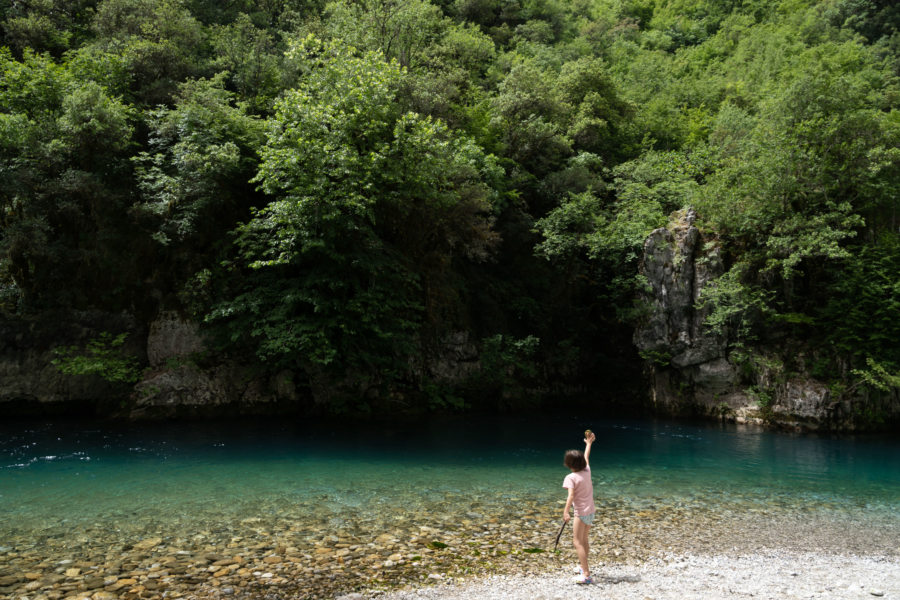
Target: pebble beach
[(774, 575), (667, 552)]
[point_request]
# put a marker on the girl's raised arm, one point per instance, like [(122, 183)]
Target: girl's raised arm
[(589, 438)]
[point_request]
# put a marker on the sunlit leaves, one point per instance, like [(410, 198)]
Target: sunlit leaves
[(370, 205), (400, 29), (193, 182)]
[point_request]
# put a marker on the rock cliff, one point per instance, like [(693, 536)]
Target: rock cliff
[(31, 384), (178, 375), (692, 371), (182, 380)]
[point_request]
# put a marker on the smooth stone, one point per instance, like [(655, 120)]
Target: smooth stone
[(73, 572), (224, 562), (878, 593), (147, 544)]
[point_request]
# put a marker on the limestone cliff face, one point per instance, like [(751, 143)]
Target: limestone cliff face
[(180, 375), (175, 380), (31, 384), (181, 381), (690, 370)]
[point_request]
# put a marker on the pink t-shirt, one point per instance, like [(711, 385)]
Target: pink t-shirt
[(583, 499)]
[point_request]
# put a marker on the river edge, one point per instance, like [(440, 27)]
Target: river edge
[(492, 559)]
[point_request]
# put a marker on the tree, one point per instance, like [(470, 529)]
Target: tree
[(194, 180), (161, 41), (249, 55), (371, 205), (45, 25), (63, 197), (401, 29)]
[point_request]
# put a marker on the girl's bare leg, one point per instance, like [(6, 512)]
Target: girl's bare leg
[(582, 545)]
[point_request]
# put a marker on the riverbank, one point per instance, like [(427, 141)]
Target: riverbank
[(675, 553), (777, 574)]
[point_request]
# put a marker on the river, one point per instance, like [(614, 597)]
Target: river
[(316, 507)]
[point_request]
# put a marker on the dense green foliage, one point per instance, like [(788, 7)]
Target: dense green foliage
[(102, 356), (337, 187)]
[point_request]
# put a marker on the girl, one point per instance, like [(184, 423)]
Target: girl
[(581, 496)]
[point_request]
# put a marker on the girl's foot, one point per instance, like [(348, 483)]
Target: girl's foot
[(582, 580)]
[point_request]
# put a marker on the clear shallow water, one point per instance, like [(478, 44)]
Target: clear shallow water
[(70, 476)]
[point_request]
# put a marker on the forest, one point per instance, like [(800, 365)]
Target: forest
[(337, 188)]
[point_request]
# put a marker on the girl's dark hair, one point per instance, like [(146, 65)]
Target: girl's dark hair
[(575, 460)]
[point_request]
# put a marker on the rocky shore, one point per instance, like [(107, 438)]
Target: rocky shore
[(510, 550)]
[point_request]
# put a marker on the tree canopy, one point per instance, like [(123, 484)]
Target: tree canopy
[(337, 187)]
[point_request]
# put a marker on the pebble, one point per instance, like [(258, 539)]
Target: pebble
[(289, 549), (740, 577), (147, 544)]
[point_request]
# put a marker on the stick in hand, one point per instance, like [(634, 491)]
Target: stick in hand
[(558, 535)]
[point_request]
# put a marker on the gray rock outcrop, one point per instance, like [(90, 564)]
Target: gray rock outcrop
[(29, 381), (690, 369), (180, 381), (687, 364)]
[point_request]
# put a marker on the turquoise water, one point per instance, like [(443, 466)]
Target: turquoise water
[(71, 474), (148, 510)]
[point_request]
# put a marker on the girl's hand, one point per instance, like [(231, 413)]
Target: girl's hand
[(566, 516), (589, 439)]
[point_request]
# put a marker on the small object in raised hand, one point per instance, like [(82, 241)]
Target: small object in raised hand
[(587, 433)]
